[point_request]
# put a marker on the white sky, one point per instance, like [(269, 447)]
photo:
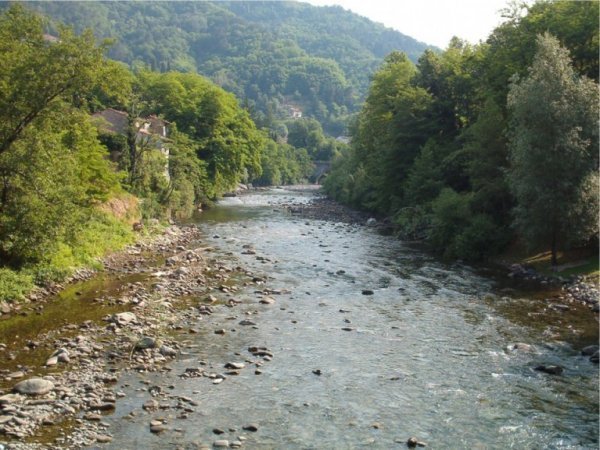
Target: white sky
[(430, 21)]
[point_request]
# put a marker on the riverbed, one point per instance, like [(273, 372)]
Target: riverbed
[(357, 340)]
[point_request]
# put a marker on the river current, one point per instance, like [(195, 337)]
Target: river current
[(428, 354)]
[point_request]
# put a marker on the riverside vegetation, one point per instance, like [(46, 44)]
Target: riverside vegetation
[(483, 145)]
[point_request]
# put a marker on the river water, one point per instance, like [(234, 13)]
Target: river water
[(427, 355)]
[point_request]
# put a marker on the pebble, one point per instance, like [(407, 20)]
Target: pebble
[(221, 443), (413, 442), (235, 365), (550, 369), (367, 292), (103, 438), (247, 322), (251, 427), (52, 361)]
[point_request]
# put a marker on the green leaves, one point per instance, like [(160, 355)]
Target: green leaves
[(553, 148)]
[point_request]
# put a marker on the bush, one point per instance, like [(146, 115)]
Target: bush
[(14, 285), (480, 239)]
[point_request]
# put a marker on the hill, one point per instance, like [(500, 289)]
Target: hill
[(281, 58)]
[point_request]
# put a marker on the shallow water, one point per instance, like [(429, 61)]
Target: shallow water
[(426, 355)]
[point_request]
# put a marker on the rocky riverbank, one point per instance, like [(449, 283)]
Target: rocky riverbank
[(61, 394)]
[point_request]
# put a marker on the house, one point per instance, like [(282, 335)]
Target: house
[(149, 130)]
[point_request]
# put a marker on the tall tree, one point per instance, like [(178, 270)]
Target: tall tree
[(553, 148)]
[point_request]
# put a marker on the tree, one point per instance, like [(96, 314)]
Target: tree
[(53, 170), (553, 143)]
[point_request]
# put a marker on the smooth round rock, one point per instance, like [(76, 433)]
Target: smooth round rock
[(34, 386)]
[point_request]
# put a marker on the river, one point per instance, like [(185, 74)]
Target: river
[(427, 355)]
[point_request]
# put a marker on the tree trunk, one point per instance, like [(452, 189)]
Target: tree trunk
[(553, 249)]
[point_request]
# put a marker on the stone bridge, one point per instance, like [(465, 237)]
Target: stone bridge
[(320, 170)]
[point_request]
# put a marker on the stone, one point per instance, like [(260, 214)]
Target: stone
[(521, 346), (5, 419), (267, 301), (124, 318), (64, 358), (595, 357), (222, 443), (367, 292), (247, 322), (371, 222), (103, 438), (145, 343), (589, 350), (550, 369), (157, 428), (8, 399), (150, 405), (414, 442), (165, 350), (5, 308), (17, 374), (218, 431), (411, 442), (235, 365), (52, 361), (34, 386), (251, 427)]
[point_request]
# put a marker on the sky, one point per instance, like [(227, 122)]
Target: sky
[(431, 21)]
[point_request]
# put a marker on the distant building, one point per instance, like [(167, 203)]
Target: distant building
[(293, 111), (49, 38), (151, 128)]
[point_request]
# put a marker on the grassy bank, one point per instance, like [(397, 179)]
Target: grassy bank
[(581, 261), (109, 229)]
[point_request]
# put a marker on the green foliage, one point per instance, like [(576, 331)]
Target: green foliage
[(14, 285), (224, 134), (450, 215), (308, 134), (283, 164)]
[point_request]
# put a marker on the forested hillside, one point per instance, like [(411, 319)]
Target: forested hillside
[(277, 56), (481, 146)]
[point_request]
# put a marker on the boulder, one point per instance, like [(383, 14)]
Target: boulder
[(34, 386)]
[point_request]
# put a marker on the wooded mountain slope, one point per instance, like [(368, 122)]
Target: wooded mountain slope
[(276, 55)]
